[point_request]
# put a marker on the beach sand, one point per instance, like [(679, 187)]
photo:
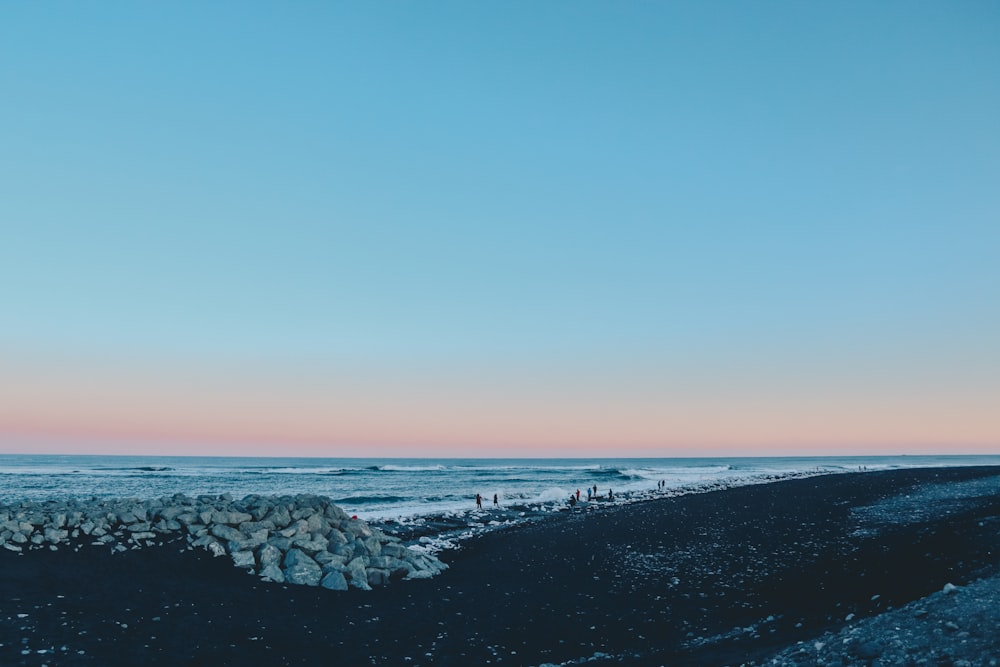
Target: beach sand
[(722, 578)]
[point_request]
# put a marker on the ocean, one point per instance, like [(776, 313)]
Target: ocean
[(394, 489)]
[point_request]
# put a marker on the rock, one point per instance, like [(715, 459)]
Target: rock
[(378, 577), (257, 506), (302, 513), (55, 535), (227, 533), (301, 569), (171, 513), (373, 546), (358, 529), (251, 527), (310, 544), (187, 518), (315, 524), (345, 550), (425, 567), (281, 542), (395, 566), (335, 562), (273, 573), (244, 559), (394, 550), (334, 581), (231, 518), (279, 516), (125, 516), (356, 573), (334, 512), (323, 557), (269, 555), (215, 548)]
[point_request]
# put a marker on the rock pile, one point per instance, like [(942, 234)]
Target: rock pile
[(301, 539)]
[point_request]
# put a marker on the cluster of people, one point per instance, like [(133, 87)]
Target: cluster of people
[(479, 501), (574, 498)]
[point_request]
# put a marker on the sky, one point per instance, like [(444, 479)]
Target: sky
[(500, 229)]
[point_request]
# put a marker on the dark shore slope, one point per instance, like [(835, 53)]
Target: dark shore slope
[(727, 577)]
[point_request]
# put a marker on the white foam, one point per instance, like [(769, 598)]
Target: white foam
[(554, 494)]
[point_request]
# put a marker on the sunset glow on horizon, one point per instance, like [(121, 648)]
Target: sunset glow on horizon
[(472, 230), (217, 414)]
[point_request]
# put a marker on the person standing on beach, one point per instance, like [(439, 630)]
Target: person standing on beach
[(479, 501), (496, 500), (578, 495)]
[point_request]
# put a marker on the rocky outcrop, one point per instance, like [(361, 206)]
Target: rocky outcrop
[(304, 539)]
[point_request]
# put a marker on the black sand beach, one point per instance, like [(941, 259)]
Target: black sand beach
[(722, 578)]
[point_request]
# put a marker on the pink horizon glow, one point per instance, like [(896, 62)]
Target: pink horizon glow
[(83, 409)]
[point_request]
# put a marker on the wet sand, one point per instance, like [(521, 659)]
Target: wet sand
[(718, 578)]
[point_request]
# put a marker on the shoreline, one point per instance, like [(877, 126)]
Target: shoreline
[(377, 489), (439, 531), (690, 579)]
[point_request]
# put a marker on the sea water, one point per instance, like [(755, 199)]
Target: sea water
[(380, 489)]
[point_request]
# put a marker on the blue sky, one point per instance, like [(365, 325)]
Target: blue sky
[(636, 201)]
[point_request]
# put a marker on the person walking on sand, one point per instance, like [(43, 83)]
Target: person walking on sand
[(479, 501)]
